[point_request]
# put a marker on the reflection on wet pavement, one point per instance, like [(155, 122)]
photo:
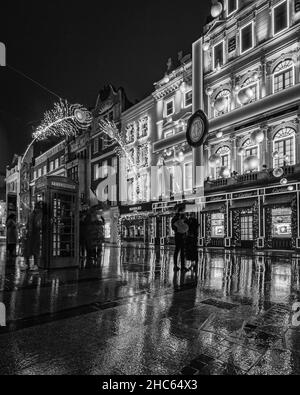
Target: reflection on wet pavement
[(130, 313)]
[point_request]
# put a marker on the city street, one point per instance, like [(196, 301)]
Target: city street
[(132, 314)]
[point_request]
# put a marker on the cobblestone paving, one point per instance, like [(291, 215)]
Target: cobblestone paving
[(130, 313)]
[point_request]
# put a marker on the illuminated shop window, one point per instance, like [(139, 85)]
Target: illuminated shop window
[(224, 152), (250, 150), (107, 232), (280, 17), (218, 55), (188, 99), (285, 144), (232, 6), (247, 37), (246, 227), (282, 222), (284, 76), (217, 225)]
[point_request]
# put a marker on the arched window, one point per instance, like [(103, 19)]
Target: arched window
[(284, 75), (285, 144), (222, 103), (250, 150), (224, 153), (252, 83)]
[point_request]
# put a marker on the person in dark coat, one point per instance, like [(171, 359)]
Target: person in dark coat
[(180, 229), (192, 239), (93, 231), (11, 235)]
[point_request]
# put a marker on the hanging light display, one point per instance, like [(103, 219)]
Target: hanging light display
[(278, 172), (183, 87), (246, 95), (215, 160), (224, 172), (216, 9), (284, 181), (251, 163), (257, 137), (241, 151), (219, 135), (209, 91), (64, 120), (206, 46), (220, 103), (181, 157), (290, 188)]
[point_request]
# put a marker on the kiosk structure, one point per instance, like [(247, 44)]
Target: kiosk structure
[(59, 233)]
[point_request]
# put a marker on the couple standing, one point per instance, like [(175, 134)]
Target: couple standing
[(186, 237)]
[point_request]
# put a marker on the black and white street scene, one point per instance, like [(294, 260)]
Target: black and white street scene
[(150, 189)]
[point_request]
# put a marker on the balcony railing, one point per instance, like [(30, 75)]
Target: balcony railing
[(255, 178)]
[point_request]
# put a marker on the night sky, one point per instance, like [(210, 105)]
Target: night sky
[(75, 49)]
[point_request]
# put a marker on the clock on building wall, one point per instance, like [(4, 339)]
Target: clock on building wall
[(197, 129)]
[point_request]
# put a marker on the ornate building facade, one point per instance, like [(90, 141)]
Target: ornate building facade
[(247, 79), (138, 127)]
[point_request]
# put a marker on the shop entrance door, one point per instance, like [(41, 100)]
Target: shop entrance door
[(247, 230)]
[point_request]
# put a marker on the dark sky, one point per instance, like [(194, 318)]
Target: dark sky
[(74, 48)]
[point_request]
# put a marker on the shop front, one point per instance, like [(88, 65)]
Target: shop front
[(162, 221), (214, 216), (136, 224), (245, 222), (281, 221)]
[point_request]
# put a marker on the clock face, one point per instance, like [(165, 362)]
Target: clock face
[(197, 130)]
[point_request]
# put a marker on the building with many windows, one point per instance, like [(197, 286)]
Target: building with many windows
[(247, 79), (138, 127), (104, 159)]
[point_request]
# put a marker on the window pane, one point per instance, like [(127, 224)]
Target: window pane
[(282, 222), (218, 55), (232, 6), (247, 42), (280, 18), (189, 99)]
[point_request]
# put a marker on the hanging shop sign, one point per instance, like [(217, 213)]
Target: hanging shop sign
[(197, 130)]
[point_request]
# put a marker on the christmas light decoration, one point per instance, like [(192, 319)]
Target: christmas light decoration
[(64, 120)]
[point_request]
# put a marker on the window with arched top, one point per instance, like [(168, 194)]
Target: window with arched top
[(225, 155), (284, 75), (284, 145), (250, 150), (253, 84), (222, 103)]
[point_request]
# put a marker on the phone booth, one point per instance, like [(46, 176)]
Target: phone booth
[(59, 247)]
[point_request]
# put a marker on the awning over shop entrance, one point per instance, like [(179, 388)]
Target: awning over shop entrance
[(279, 199), (243, 203), (213, 207)]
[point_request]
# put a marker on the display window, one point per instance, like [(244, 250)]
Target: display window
[(218, 225), (282, 222)]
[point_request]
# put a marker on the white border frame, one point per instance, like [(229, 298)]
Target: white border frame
[(186, 93), (166, 105), (283, 71), (233, 12), (288, 18), (253, 38), (213, 54)]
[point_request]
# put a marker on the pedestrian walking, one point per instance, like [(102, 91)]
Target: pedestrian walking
[(11, 236), (191, 246), (180, 229)]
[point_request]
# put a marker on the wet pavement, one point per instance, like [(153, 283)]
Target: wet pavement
[(130, 313)]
